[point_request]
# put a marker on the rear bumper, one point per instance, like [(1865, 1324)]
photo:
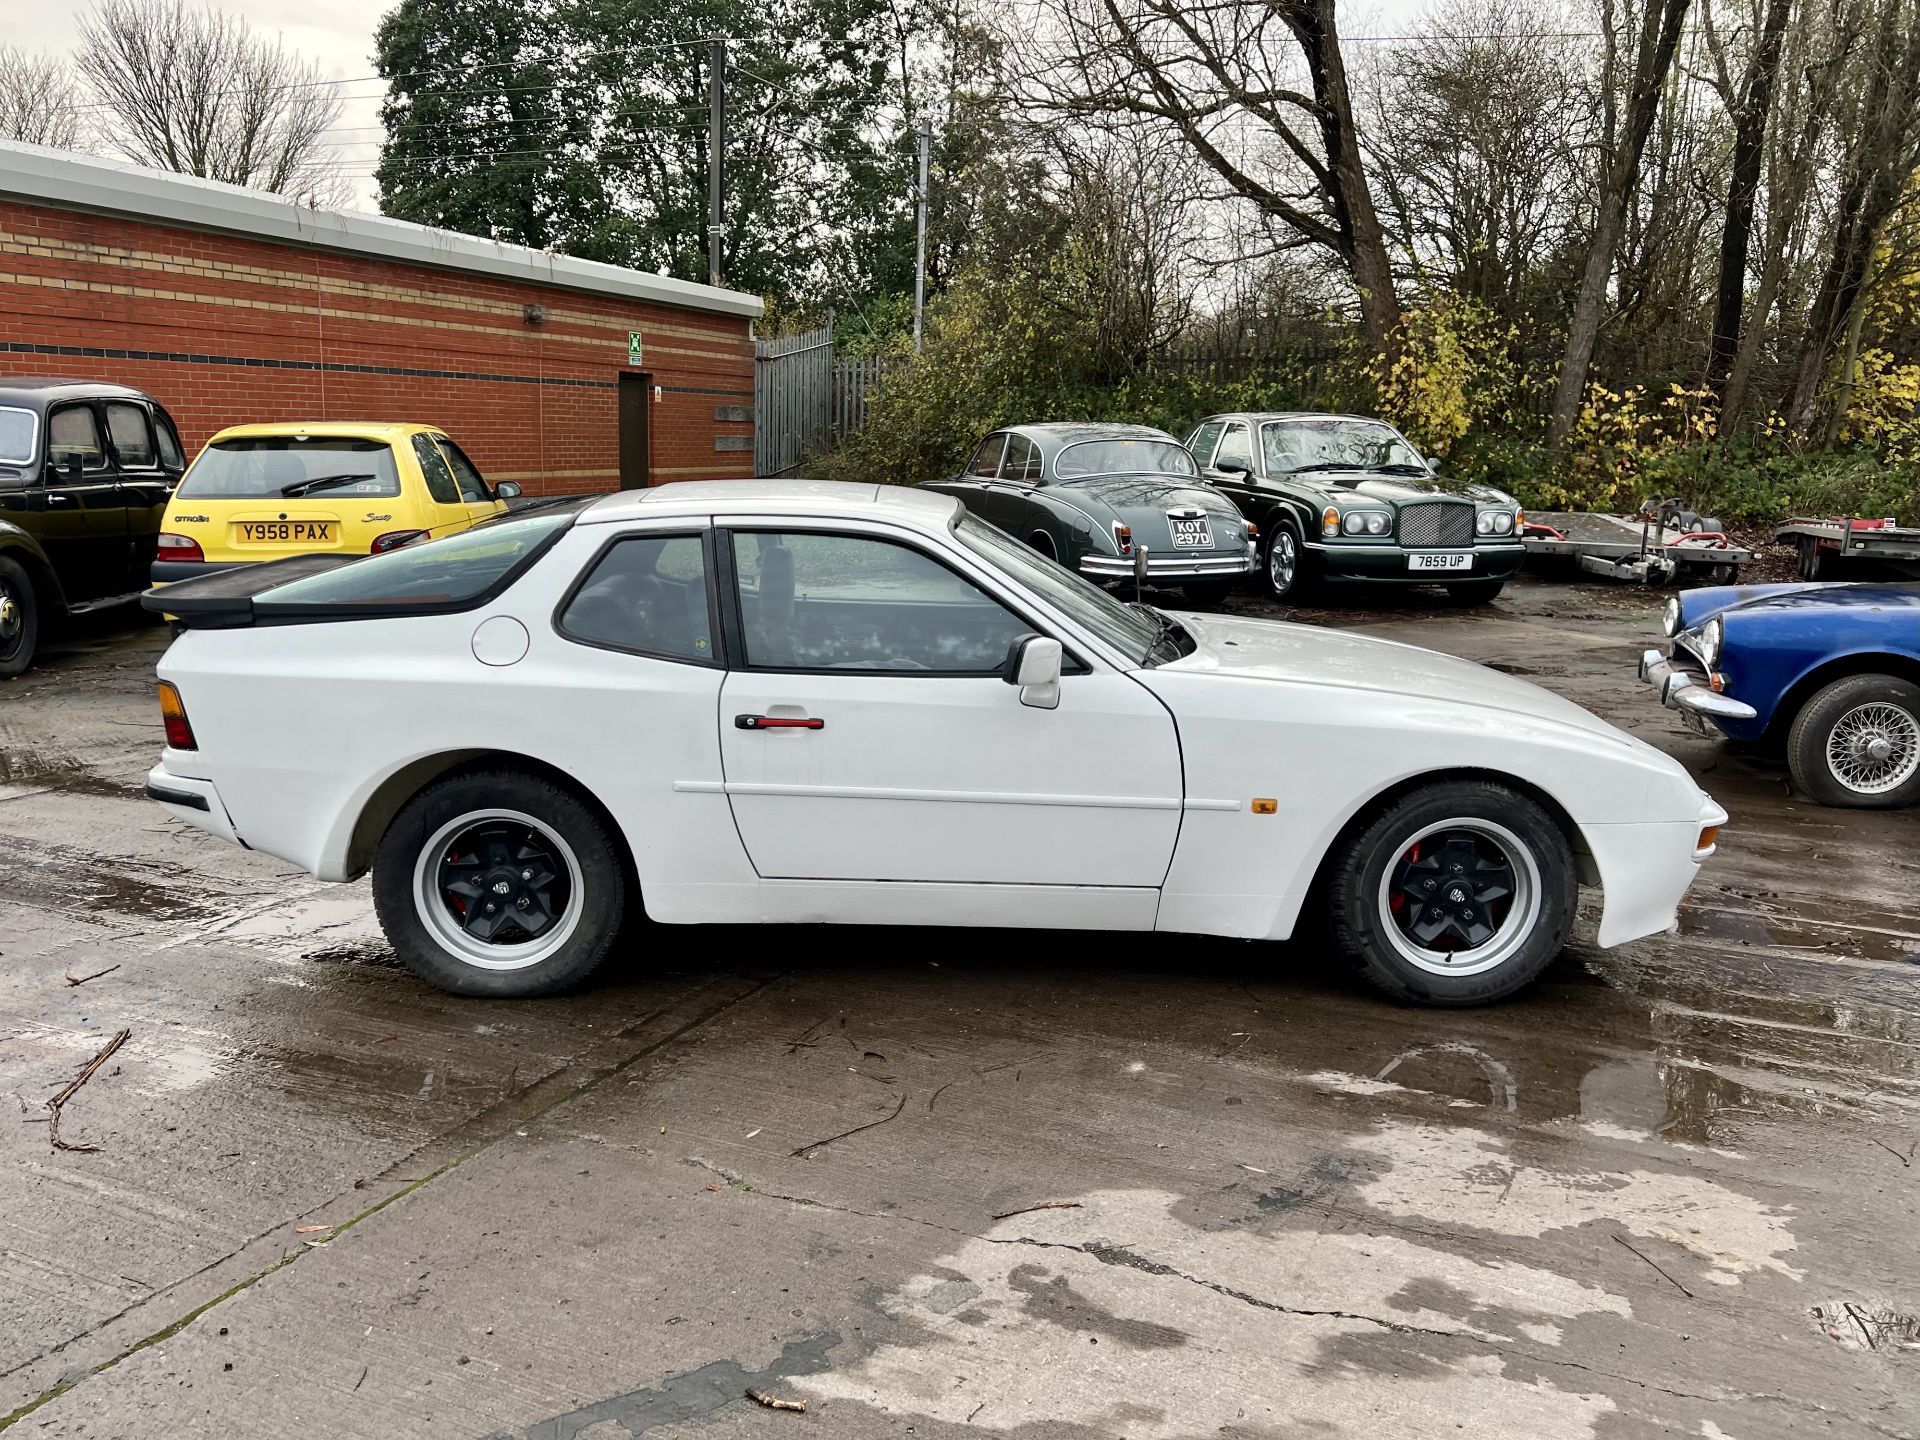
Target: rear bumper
[(1182, 566), (169, 572), (196, 802), (1388, 564)]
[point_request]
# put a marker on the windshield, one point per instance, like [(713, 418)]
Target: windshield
[(1124, 457), (272, 466), (1133, 631), (458, 568), (17, 428), (1344, 444)]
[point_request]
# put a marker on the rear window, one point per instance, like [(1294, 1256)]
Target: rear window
[(287, 465), (448, 573), (1124, 457)]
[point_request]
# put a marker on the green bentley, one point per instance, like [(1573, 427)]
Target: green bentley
[(1097, 498), (1343, 498)]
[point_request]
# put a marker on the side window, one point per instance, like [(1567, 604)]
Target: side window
[(812, 601), (472, 488), (171, 455), (73, 430), (433, 465), (1202, 441), (1236, 447), (132, 436), (1023, 461), (986, 460), (647, 594)]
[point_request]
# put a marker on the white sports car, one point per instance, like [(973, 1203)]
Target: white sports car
[(791, 702)]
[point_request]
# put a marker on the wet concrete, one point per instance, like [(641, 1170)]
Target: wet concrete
[(1671, 1192)]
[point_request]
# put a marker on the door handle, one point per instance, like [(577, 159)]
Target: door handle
[(58, 499), (777, 722)]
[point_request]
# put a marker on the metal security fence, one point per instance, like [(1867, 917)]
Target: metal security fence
[(805, 399)]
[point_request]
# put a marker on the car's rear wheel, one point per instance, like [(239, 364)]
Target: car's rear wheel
[(1857, 743), (1284, 567), (19, 619), (499, 883), (1458, 893)]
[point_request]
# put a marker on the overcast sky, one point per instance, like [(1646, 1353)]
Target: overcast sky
[(337, 35)]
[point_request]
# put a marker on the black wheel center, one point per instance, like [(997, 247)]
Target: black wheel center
[(503, 882), (1451, 891)]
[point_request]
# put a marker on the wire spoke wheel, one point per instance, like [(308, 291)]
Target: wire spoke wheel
[(1460, 897), (498, 889), (1874, 748)]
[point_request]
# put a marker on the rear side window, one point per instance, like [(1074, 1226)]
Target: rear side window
[(647, 594), (170, 455), (433, 465), (132, 438), (435, 574), (258, 467), (1023, 460), (72, 431), (472, 488)]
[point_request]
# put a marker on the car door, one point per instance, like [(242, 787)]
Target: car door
[(84, 521), (1009, 498), (1238, 477), (867, 732), (444, 511), (144, 484), (970, 487)]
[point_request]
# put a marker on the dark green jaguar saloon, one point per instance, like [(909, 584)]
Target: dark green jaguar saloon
[(1346, 498), (1095, 497)]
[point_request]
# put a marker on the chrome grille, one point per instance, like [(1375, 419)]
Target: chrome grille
[(1445, 522)]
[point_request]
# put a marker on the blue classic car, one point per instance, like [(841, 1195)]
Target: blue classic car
[(1830, 671)]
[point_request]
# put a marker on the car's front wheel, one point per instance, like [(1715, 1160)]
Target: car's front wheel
[(499, 883), (1284, 571), (19, 619), (1458, 893), (1857, 743)]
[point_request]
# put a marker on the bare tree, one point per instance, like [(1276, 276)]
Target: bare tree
[(1641, 82), (1226, 81), (200, 92), (36, 100)]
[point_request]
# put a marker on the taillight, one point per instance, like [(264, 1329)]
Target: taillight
[(174, 715), (1123, 537), (180, 547), (394, 539)]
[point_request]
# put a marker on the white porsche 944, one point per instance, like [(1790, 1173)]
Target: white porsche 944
[(793, 702)]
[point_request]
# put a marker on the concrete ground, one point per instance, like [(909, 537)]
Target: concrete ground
[(934, 1185)]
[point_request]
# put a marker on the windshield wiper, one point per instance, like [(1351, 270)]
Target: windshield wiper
[(1401, 467), (1165, 627), (322, 482)]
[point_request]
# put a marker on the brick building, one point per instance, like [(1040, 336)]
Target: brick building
[(231, 306)]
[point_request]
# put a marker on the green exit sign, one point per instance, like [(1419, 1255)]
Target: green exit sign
[(635, 351)]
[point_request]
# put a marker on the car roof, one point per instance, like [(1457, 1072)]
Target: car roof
[(1261, 417), (388, 430), (1054, 436), (39, 390), (826, 499)]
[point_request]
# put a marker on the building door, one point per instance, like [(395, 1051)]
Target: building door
[(636, 396)]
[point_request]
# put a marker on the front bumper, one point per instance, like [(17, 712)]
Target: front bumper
[(1646, 870), (1388, 563), (196, 802), (1680, 689), (1182, 566)]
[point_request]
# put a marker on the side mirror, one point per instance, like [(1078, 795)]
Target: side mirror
[(76, 468), (506, 490), (1033, 664), (1433, 465), (1233, 467)]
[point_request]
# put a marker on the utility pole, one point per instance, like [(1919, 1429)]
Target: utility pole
[(716, 153), (920, 240)]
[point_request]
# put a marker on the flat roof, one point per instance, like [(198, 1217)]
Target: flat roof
[(831, 499), (72, 181)]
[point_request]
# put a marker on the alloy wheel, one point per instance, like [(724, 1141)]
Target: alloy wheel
[(498, 889), (1874, 748), (1460, 897), (1283, 561)]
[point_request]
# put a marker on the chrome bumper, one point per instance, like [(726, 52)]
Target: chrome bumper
[(1180, 565), (1680, 691)]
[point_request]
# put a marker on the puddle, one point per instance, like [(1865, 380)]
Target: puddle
[(1856, 1326), (32, 769), (1868, 936), (377, 956), (62, 878)]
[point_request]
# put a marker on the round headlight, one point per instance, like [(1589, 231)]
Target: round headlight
[(1503, 524), (1711, 634), (1376, 524), (1355, 523), (1670, 618), (1485, 523)]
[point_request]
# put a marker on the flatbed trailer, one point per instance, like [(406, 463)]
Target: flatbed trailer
[(1646, 549), (1828, 548)]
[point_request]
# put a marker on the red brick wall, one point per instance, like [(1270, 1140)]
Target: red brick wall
[(225, 330)]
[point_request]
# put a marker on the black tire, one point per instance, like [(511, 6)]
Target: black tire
[(588, 897), (1874, 710), (1370, 930), (1475, 592), (1301, 588), (19, 619)]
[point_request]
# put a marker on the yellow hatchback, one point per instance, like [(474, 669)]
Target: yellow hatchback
[(264, 492)]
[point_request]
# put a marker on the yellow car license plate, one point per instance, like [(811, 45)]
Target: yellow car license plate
[(284, 532)]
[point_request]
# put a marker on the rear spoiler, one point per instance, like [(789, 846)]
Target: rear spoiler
[(224, 599)]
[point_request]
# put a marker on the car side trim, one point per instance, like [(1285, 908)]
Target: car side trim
[(953, 797)]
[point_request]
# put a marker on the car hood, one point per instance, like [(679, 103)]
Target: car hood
[(1399, 489), (1271, 650), (1699, 606)]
